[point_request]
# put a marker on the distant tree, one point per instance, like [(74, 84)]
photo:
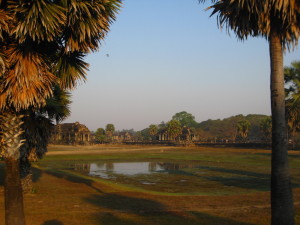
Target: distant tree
[(173, 129), (293, 117), (153, 129), (145, 134), (185, 119), (266, 128), (138, 136), (243, 128), (100, 135), (292, 82), (162, 125), (109, 131)]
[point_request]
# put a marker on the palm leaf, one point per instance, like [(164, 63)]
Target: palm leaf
[(70, 69), (28, 80), (88, 22), (37, 19), (255, 18)]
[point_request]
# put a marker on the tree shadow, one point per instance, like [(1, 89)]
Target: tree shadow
[(53, 222), (240, 178), (36, 174), (232, 177), (73, 178), (125, 203), (138, 211)]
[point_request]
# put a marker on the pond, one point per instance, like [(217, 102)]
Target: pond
[(172, 176), (109, 170)]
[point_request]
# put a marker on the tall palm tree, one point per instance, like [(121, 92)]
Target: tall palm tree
[(43, 43), (279, 22)]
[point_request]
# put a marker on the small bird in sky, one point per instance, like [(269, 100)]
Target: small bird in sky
[(107, 55)]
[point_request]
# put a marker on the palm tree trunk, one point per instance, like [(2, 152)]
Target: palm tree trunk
[(281, 191), (14, 211), (10, 126)]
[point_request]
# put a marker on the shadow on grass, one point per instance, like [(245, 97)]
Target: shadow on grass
[(137, 211), (72, 178), (240, 178), (125, 203), (53, 222), (230, 177)]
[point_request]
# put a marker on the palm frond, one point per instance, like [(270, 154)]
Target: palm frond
[(70, 69), (28, 80), (88, 22), (58, 106), (257, 18), (37, 19)]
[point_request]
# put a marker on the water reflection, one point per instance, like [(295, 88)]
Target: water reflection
[(109, 169)]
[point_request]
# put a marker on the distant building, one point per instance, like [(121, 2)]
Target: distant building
[(71, 134)]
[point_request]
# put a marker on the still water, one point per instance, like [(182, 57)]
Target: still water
[(108, 170)]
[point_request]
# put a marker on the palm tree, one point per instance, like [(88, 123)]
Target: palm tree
[(153, 129), (243, 128), (266, 128), (109, 131), (43, 43), (173, 129), (278, 22)]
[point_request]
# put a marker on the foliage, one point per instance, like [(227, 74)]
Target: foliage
[(260, 18), (40, 47), (58, 105), (243, 128), (185, 119), (153, 129), (227, 128), (266, 128), (109, 129), (292, 81), (145, 134), (174, 129), (100, 135)]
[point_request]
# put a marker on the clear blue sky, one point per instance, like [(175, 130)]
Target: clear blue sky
[(168, 56)]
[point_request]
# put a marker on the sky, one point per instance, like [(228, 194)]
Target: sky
[(166, 56)]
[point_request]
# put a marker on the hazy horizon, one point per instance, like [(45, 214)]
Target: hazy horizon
[(160, 59)]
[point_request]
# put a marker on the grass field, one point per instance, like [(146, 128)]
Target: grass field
[(228, 186)]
